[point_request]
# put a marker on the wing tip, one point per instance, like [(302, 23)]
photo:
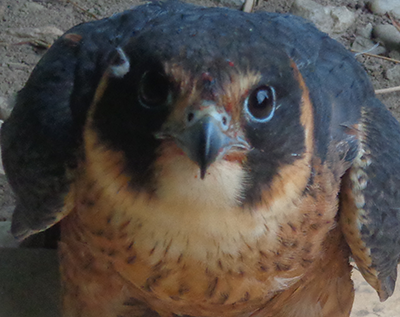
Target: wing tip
[(20, 227), (387, 285)]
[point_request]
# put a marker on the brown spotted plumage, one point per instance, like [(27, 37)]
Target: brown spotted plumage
[(206, 162)]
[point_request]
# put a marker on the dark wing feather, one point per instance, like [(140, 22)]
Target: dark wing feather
[(41, 138), (371, 199)]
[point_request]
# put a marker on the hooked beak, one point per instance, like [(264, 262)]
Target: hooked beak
[(202, 142), (205, 137)]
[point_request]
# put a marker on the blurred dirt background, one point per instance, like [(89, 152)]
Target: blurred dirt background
[(28, 27)]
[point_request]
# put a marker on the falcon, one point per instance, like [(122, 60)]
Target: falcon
[(206, 162)]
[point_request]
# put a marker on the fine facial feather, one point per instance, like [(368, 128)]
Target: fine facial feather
[(233, 89)]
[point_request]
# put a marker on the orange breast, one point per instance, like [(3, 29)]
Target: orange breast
[(113, 251)]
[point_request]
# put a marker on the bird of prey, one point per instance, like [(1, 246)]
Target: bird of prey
[(206, 162)]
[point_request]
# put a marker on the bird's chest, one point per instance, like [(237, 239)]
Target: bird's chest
[(183, 257)]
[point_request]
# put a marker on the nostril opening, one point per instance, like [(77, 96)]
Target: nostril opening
[(224, 120), (190, 116)]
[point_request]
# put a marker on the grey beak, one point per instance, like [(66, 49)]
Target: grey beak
[(203, 141)]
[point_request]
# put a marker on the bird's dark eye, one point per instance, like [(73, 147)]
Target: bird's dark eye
[(154, 89), (261, 103)]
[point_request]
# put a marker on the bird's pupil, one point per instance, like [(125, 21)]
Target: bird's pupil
[(154, 89)]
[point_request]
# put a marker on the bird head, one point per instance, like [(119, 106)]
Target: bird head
[(211, 92)]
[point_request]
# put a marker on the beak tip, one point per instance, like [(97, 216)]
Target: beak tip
[(203, 171)]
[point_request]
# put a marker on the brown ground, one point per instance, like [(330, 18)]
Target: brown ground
[(22, 20)]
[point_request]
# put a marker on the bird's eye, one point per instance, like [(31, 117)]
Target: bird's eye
[(154, 89), (261, 103)]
